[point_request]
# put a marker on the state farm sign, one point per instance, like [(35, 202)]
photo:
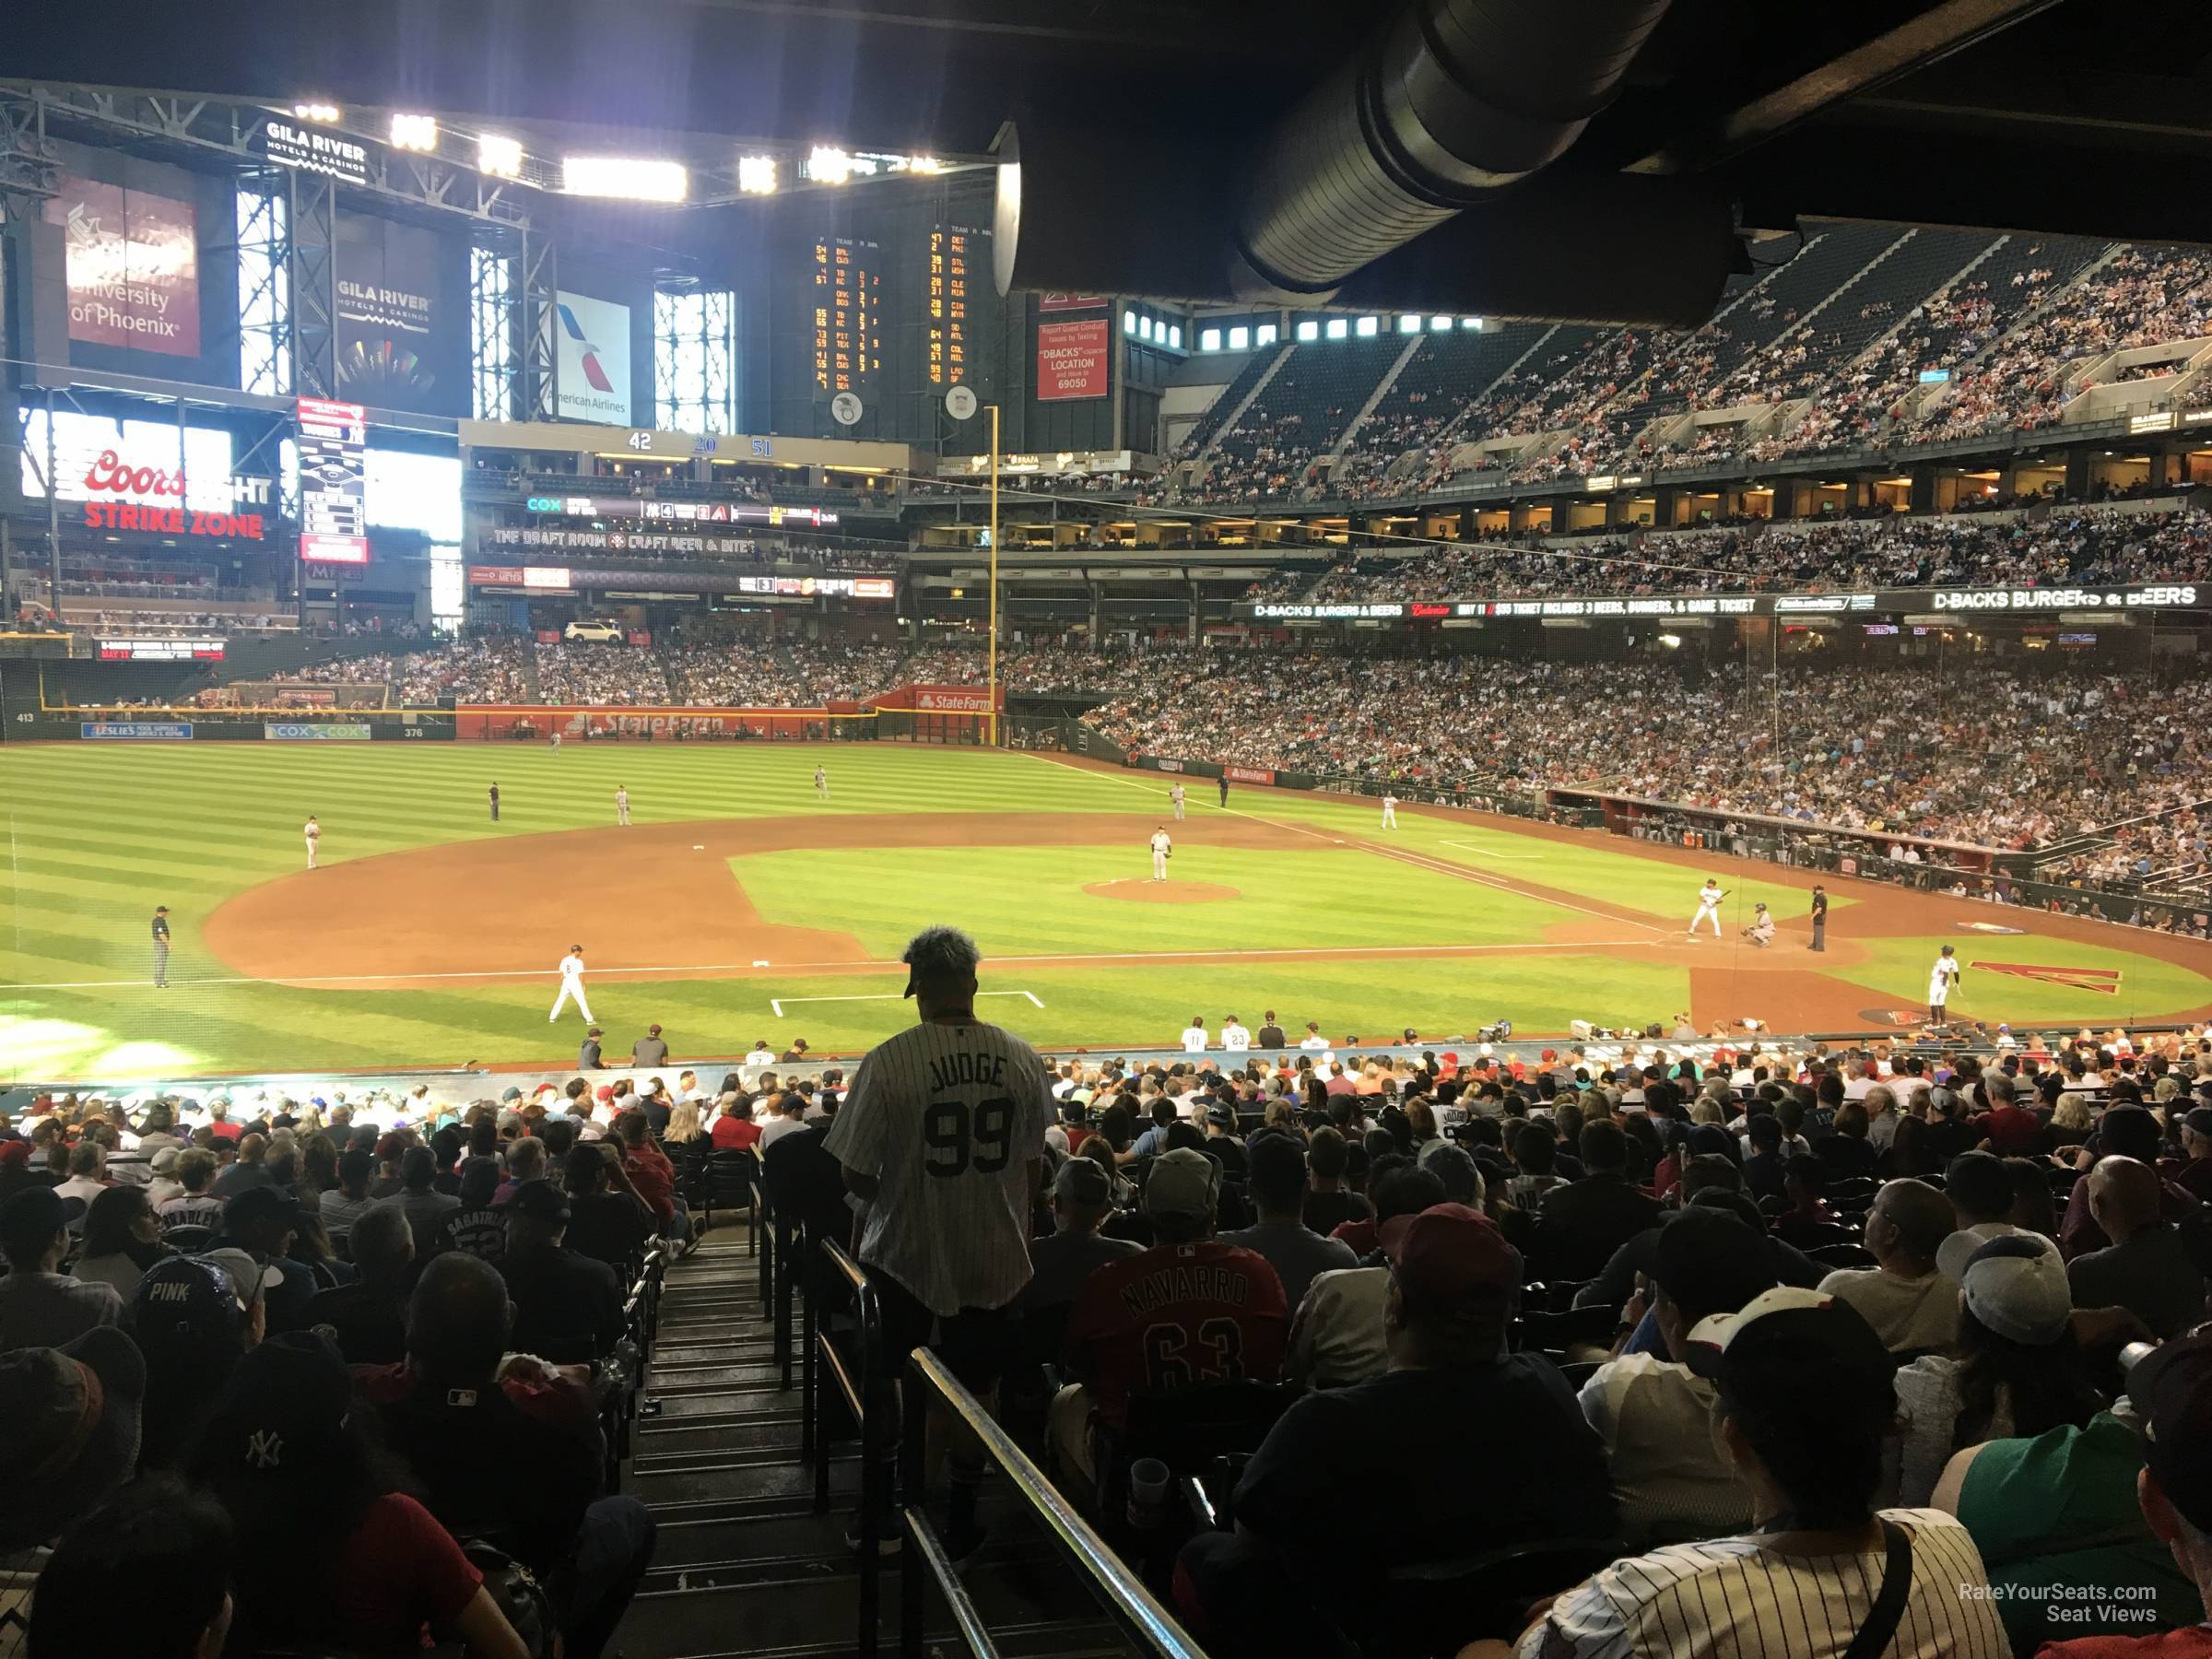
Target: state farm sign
[(953, 700)]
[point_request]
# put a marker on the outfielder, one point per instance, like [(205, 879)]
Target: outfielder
[(821, 783), (1941, 979), (1162, 848), (1175, 799), (1390, 812), (571, 985), (313, 831), (1709, 908), (622, 804)]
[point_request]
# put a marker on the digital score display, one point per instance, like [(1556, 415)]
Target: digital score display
[(848, 321), (333, 482), (951, 256)]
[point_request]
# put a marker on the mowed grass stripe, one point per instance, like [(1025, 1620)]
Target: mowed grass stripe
[(1030, 901)]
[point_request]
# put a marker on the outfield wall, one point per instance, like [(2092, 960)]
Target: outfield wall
[(833, 723)]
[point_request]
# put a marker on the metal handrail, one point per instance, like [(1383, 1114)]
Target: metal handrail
[(1127, 1602), (868, 1389), (789, 1250)]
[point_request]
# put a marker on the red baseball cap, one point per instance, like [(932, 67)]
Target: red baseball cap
[(1447, 1250)]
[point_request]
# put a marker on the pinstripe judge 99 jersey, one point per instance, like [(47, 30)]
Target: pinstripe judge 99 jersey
[(950, 1120)]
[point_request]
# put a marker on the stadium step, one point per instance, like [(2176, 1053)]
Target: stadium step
[(744, 1566)]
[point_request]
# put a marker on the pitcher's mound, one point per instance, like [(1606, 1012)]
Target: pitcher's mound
[(1162, 892)]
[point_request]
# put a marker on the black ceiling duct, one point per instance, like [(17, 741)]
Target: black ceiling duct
[(1362, 196), (1455, 102)]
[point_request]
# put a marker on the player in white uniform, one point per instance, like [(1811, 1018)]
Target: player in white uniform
[(941, 1135), (821, 783), (1941, 979), (1175, 799), (572, 986), (313, 831), (1390, 812), (1193, 1035), (622, 804), (1234, 1037), (1162, 848), (1709, 908)]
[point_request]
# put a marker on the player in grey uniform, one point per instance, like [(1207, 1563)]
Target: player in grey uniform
[(622, 804), (821, 783), (943, 1136)]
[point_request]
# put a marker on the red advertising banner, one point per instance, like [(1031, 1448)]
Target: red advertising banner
[(495, 575), (1249, 774), (1060, 303), (1072, 359), (132, 267)]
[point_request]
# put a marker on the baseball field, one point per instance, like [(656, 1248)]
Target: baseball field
[(738, 906)]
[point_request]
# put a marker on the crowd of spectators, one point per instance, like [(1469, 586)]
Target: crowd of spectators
[(2139, 296), (1985, 756), (2065, 547), (1768, 1332), (1995, 332), (489, 668), (366, 1367)]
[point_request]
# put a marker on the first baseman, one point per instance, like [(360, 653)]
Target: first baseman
[(313, 831), (1162, 848), (1941, 978)]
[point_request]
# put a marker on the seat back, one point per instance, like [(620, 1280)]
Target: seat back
[(188, 1241), (1188, 1428), (733, 1177), (1560, 1333), (1435, 1608)]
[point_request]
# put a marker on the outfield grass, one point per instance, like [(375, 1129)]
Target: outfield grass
[(1030, 901), (99, 834)]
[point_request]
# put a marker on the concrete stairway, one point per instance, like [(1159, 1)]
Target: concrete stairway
[(744, 1567)]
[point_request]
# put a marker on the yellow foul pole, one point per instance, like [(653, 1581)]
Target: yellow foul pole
[(991, 687)]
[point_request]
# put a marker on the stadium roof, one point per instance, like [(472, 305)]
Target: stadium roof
[(2021, 114)]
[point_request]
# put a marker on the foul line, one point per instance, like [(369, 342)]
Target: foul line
[(1050, 960), (777, 1002), (1486, 852)]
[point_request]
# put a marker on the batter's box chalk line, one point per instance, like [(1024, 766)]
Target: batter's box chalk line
[(777, 1002)]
